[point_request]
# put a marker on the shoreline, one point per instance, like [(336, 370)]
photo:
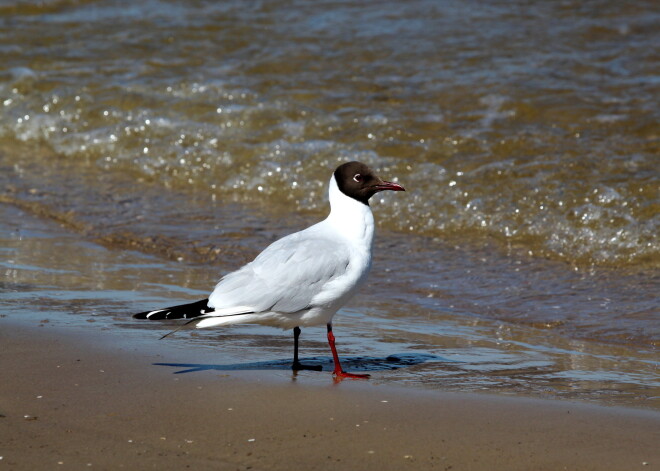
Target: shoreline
[(79, 401)]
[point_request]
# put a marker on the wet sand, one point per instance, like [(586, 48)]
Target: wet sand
[(80, 402)]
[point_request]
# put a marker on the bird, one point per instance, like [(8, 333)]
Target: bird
[(304, 278)]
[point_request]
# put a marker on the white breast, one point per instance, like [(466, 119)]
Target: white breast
[(351, 222)]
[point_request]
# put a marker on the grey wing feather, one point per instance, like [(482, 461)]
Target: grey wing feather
[(285, 277)]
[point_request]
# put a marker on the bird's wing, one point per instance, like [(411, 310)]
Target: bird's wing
[(285, 277)]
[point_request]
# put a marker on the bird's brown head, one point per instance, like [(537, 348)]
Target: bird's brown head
[(359, 182)]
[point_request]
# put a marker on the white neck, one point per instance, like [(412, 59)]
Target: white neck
[(350, 217)]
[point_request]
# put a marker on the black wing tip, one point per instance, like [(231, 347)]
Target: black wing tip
[(145, 315), (183, 311), (155, 315)]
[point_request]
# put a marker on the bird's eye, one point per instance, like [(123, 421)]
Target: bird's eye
[(357, 177)]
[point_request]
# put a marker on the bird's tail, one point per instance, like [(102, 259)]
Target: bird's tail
[(200, 315), (182, 311)]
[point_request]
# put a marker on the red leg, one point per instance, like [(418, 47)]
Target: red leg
[(338, 371)]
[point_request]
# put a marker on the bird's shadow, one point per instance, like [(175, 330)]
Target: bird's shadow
[(353, 364)]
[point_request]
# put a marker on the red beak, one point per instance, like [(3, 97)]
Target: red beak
[(389, 186)]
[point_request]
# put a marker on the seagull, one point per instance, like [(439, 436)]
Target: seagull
[(304, 278)]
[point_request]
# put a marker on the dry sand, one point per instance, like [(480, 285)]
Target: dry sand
[(69, 404)]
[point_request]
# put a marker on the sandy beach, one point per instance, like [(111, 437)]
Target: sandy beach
[(78, 402)]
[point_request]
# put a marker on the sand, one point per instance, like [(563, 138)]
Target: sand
[(78, 402)]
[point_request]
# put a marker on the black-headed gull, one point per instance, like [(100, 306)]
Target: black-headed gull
[(304, 278)]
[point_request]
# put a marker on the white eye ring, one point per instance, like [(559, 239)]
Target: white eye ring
[(357, 177)]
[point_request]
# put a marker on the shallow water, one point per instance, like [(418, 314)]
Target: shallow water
[(174, 140), (532, 124), (53, 276)]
